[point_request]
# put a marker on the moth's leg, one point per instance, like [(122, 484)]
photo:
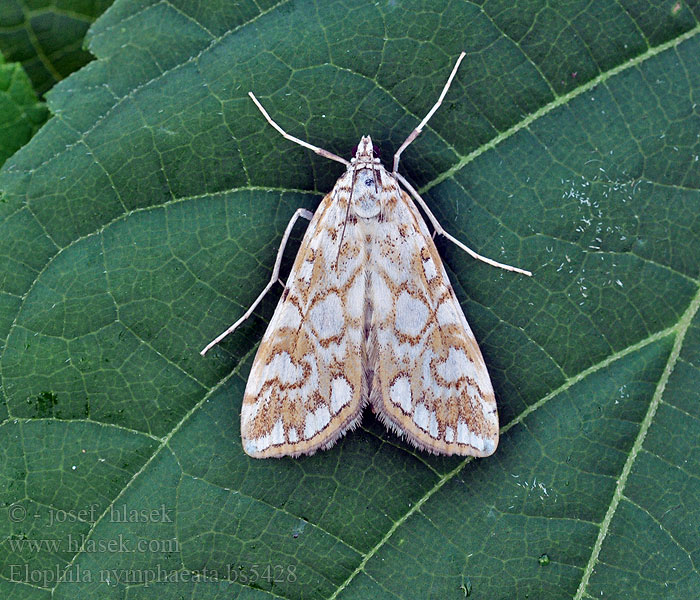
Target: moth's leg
[(417, 130), (300, 212), (296, 140), (454, 240)]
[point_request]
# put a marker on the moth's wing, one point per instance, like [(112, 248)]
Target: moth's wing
[(430, 382), (305, 386)]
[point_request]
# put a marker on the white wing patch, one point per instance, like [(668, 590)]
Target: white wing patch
[(411, 314), (327, 318)]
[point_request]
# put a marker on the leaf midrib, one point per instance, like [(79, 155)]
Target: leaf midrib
[(681, 329)]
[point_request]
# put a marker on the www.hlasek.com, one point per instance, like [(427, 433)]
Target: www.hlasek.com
[(246, 575), (82, 543)]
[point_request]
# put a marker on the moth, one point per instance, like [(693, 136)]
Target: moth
[(367, 316)]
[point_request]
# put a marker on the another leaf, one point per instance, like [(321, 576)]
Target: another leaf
[(47, 37), (21, 114)]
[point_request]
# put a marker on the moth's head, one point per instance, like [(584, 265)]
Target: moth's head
[(365, 151)]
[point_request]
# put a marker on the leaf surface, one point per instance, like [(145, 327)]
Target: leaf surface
[(145, 217)]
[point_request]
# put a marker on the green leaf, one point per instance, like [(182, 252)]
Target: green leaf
[(21, 114), (145, 217), (47, 37)]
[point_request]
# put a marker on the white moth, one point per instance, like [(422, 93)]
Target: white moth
[(368, 316)]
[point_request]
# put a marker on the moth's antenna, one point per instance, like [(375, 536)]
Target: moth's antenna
[(417, 130), (296, 140)]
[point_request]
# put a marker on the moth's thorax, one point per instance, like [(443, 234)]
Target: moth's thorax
[(366, 199), (370, 184)]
